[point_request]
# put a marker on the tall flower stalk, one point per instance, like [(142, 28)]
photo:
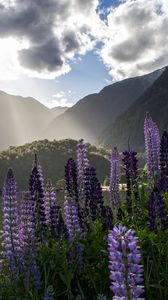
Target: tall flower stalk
[(152, 146), (125, 264), (163, 181), (157, 214), (28, 253), (94, 203), (131, 171), (115, 179), (72, 221), (82, 164), (10, 237), (52, 209), (71, 179), (37, 196)]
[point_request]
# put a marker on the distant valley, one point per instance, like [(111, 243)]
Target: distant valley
[(23, 119), (112, 117)]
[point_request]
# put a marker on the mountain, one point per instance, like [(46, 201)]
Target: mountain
[(129, 125), (89, 116), (23, 119), (58, 110), (52, 156)]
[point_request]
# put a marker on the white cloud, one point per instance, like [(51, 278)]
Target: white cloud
[(64, 102), (136, 41), (132, 41), (61, 94), (60, 99), (9, 65), (70, 29)]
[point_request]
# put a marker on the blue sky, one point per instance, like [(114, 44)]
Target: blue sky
[(60, 51), (87, 76)]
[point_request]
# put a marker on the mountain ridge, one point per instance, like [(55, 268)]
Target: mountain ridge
[(93, 113), (22, 119), (128, 127)]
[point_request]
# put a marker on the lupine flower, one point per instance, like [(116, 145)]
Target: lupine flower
[(94, 203), (50, 198), (152, 146), (71, 179), (124, 264), (157, 215), (107, 215), (131, 170), (51, 208), (26, 226), (37, 195), (72, 221), (28, 253), (115, 178), (54, 217), (163, 182), (10, 240), (82, 164)]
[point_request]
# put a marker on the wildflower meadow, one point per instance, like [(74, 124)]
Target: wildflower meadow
[(91, 247)]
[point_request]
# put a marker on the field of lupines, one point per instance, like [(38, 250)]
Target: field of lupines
[(88, 250)]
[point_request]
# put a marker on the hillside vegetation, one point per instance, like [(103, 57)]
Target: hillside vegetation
[(52, 156)]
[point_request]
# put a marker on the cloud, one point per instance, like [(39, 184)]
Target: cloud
[(45, 56), (60, 99), (64, 102), (48, 34), (136, 41), (55, 31), (61, 94)]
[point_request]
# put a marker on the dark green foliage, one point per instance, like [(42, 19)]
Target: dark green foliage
[(52, 156)]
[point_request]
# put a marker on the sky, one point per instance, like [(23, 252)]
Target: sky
[(59, 51)]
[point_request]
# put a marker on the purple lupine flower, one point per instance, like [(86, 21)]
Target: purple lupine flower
[(152, 146), (37, 195), (94, 203), (131, 170), (124, 264), (50, 200), (52, 209), (26, 226), (28, 253), (82, 164), (107, 215), (71, 179), (72, 221), (163, 181), (55, 218), (115, 178), (10, 240), (157, 214)]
